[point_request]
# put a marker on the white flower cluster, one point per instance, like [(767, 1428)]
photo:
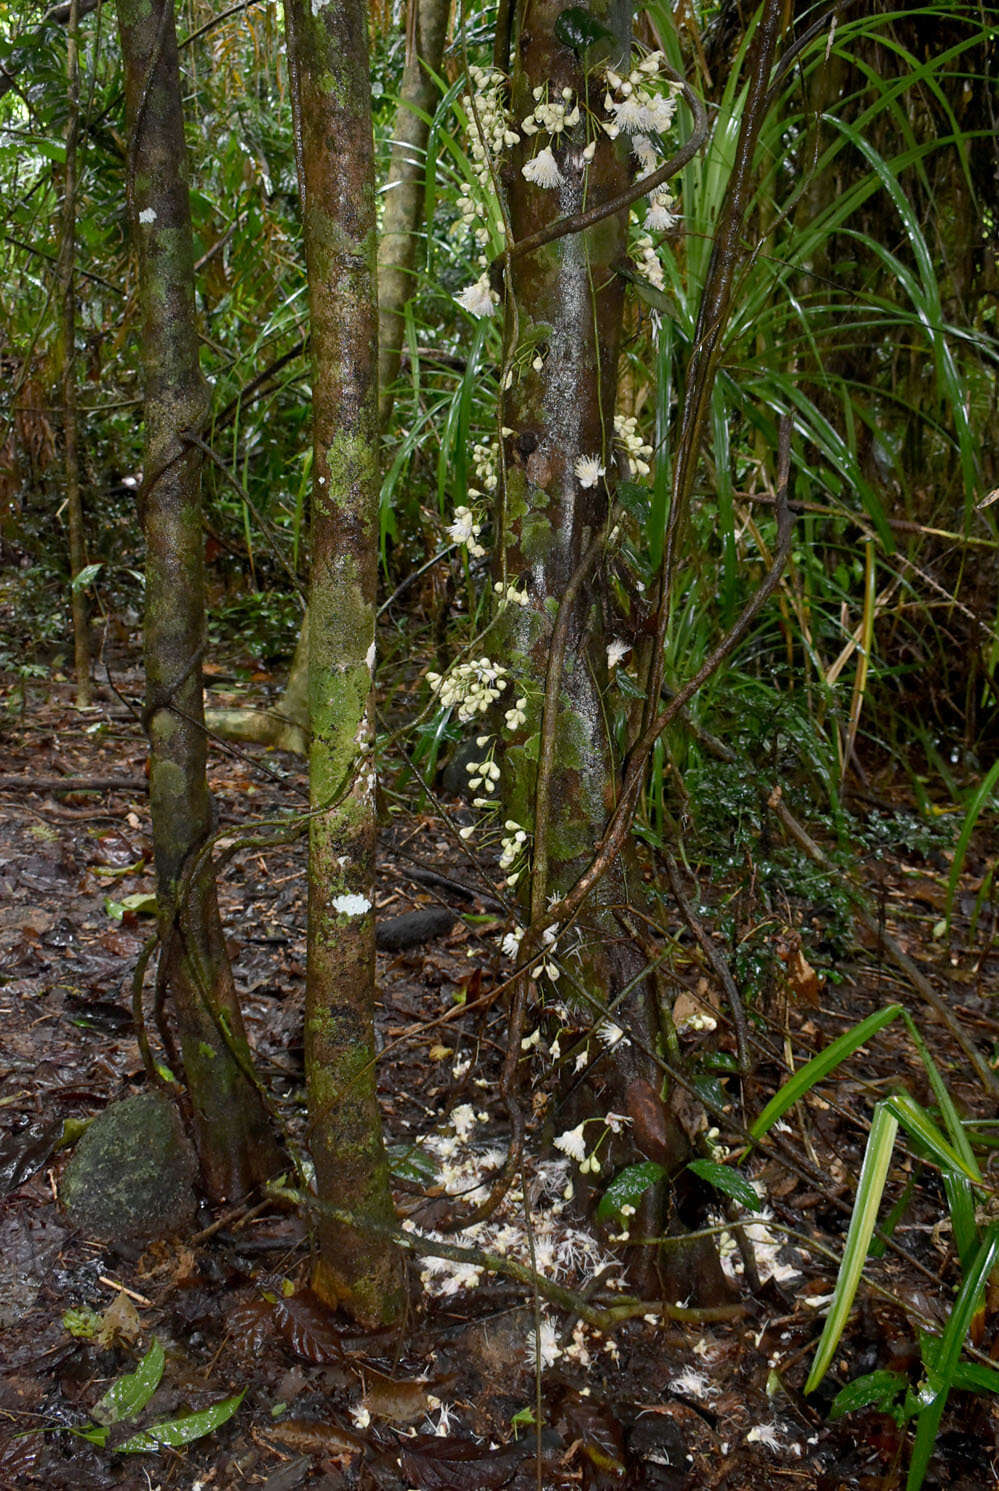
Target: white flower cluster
[(496, 136), (466, 1168), (469, 687), (510, 947), (465, 530), (551, 114), (646, 259), (514, 847), (542, 1349), (483, 775), (636, 452), (638, 104), (510, 595), (517, 716), (477, 209), (485, 464)]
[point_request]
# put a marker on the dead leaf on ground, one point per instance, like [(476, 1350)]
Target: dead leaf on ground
[(315, 1438), (120, 1324)]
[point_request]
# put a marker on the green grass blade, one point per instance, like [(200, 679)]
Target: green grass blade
[(979, 798), (820, 1066), (917, 1122), (870, 1188), (951, 1346)]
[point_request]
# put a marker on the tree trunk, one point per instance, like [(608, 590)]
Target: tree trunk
[(356, 1269), (559, 474), (404, 191), (231, 1130), (67, 367)]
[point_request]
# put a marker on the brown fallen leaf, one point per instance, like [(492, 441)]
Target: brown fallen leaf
[(316, 1438), (120, 1323), (397, 1400)]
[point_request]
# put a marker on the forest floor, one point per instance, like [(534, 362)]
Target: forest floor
[(671, 1406)]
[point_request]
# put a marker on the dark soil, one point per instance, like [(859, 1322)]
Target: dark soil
[(669, 1406)]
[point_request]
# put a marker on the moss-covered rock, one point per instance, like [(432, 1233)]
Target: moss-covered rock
[(133, 1172)]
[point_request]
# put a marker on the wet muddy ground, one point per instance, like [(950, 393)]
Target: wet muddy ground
[(455, 1401)]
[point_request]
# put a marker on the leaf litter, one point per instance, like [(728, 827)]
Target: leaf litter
[(262, 1385)]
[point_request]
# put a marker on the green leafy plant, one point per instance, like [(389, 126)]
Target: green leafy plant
[(949, 1149), (126, 1398)]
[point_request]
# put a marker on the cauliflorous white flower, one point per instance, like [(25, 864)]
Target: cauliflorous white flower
[(692, 1384), (463, 1120), (542, 1345), (510, 946), (617, 650), (465, 530), (608, 1033), (543, 170), (589, 470), (516, 716), (768, 1435), (660, 217), (572, 1143), (478, 299)]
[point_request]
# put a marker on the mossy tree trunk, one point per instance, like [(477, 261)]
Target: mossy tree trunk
[(231, 1130), (404, 191), (66, 362), (329, 63), (285, 725), (568, 299)]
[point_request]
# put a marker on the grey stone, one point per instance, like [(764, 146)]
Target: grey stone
[(132, 1175)]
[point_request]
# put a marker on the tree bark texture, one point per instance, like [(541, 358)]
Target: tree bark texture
[(568, 297), (231, 1129), (404, 191), (356, 1269)]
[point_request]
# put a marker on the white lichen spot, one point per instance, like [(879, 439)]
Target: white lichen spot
[(147, 215), (351, 905)]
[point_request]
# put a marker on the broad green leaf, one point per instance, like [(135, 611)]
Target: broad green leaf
[(968, 1376), (626, 1188), (729, 1181), (577, 29), (949, 1355), (86, 576), (182, 1430), (874, 1390), (870, 1188), (142, 902), (129, 1395), (820, 1066)]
